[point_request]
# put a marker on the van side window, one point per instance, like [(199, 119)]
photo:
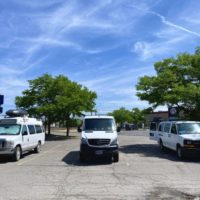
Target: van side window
[(24, 130), (161, 127), (31, 129), (153, 126), (173, 129), (38, 129), (167, 127)]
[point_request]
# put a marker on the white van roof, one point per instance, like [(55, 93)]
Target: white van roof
[(20, 120), (180, 122), (98, 117)]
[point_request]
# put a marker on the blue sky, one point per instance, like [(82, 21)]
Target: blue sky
[(105, 45)]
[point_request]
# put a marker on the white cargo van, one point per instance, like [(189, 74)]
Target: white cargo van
[(99, 138), (19, 134), (180, 136)]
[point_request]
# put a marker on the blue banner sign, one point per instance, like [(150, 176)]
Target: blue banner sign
[(1, 99)]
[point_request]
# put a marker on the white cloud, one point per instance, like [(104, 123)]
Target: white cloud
[(166, 44), (169, 23), (7, 70), (150, 50)]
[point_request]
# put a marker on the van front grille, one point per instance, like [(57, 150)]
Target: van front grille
[(99, 142), (197, 143)]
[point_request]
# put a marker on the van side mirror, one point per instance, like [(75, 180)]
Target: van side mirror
[(79, 129), (118, 129)]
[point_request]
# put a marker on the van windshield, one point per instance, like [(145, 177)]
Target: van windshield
[(10, 129), (99, 125), (188, 128)]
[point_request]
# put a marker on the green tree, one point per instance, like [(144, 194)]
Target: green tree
[(57, 99), (121, 116), (176, 83), (72, 99), (137, 116)]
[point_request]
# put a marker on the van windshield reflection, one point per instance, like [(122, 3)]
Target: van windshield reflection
[(188, 128), (9, 129), (99, 125)]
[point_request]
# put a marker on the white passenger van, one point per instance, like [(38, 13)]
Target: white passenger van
[(180, 136), (99, 138), (19, 134)]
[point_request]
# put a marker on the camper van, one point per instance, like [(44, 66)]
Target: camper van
[(180, 136), (99, 138), (19, 134)]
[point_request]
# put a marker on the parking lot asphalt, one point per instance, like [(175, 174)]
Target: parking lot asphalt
[(143, 172)]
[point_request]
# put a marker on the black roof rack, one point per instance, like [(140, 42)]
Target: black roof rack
[(16, 113)]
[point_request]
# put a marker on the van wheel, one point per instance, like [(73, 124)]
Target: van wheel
[(17, 153), (179, 152), (162, 148), (116, 157), (38, 148), (81, 158)]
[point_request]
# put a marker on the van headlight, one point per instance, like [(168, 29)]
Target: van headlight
[(114, 142), (9, 144), (187, 142), (83, 141)]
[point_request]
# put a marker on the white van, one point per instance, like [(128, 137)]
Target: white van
[(20, 134), (180, 136), (99, 138)]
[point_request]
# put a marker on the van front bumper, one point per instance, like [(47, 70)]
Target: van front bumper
[(6, 151), (191, 151), (90, 151)]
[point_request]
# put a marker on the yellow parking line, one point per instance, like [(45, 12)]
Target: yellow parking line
[(41, 154)]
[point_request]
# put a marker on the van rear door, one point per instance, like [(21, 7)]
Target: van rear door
[(153, 133)]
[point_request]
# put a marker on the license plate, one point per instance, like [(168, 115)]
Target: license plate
[(99, 152)]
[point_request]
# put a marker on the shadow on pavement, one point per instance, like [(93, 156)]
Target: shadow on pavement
[(5, 159), (72, 158), (54, 137), (9, 159), (152, 150)]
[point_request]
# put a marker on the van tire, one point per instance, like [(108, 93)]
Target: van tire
[(116, 157), (162, 148), (179, 152), (81, 158), (17, 153), (38, 147)]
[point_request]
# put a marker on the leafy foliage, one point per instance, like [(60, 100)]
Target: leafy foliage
[(122, 115), (58, 99), (177, 83)]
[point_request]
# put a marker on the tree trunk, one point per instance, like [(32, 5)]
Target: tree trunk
[(67, 125), (67, 133), (49, 127)]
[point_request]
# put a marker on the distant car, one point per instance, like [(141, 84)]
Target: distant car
[(130, 127)]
